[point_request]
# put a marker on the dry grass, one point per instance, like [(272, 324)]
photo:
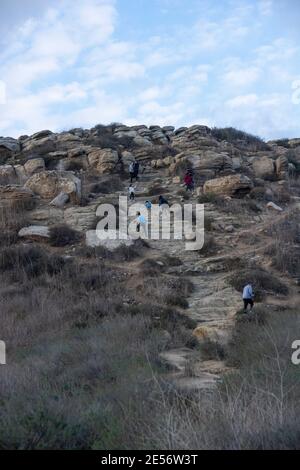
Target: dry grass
[(262, 281), (285, 249)]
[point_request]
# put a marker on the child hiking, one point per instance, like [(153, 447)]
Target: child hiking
[(131, 192)]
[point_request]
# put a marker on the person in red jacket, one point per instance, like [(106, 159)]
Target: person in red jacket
[(189, 182)]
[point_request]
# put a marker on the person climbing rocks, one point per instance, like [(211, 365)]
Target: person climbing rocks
[(136, 170), (189, 181), (120, 162), (142, 222), (163, 203), (131, 191), (148, 205), (131, 171), (248, 296)]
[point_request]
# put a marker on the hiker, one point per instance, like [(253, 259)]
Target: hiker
[(131, 171), (120, 162), (189, 181), (163, 203), (248, 297), (148, 205), (131, 191), (141, 222), (136, 170)]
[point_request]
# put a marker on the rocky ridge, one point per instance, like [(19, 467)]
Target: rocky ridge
[(67, 175)]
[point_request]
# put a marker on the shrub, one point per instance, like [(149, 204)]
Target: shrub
[(62, 235), (31, 260), (107, 185), (74, 165), (284, 250), (262, 281), (208, 198), (235, 136)]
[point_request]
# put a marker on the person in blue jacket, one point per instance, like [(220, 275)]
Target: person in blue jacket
[(248, 296)]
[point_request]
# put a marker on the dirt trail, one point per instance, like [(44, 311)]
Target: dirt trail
[(213, 303)]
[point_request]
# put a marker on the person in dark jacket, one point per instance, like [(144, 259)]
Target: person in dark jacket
[(136, 167)]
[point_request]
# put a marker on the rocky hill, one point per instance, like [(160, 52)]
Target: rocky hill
[(51, 186)]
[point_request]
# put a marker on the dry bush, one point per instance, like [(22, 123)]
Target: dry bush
[(169, 260), (209, 246), (262, 281), (106, 185), (207, 198), (122, 253), (62, 235), (74, 165), (285, 248), (81, 357), (156, 190)]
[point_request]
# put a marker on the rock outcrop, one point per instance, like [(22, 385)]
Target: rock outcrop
[(103, 161), (15, 193), (49, 184), (233, 185), (264, 167), (34, 165), (34, 232)]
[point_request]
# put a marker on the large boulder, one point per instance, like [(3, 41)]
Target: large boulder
[(35, 232), (93, 241), (41, 143), (14, 194), (81, 218), (264, 167), (282, 167), (7, 174), (49, 184), (211, 164), (233, 185), (10, 144), (103, 161), (34, 165)]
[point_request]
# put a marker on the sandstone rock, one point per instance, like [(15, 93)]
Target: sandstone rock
[(10, 144), (7, 174), (142, 141), (15, 193), (34, 232), (176, 180), (77, 152), (47, 215), (92, 240), (34, 165), (103, 161), (211, 163), (81, 218), (41, 134), (282, 167), (264, 167), (60, 200), (39, 146), (232, 185), (20, 173), (273, 206), (48, 184)]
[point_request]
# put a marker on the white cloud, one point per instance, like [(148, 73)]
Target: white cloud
[(242, 100), (242, 77)]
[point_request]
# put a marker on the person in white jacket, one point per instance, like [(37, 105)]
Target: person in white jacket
[(131, 191)]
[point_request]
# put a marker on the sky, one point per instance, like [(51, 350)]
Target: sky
[(75, 63)]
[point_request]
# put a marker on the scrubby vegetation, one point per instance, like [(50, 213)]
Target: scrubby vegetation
[(232, 135)]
